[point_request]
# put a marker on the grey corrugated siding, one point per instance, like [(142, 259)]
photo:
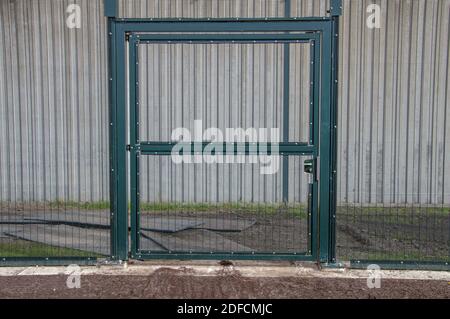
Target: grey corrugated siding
[(225, 86), (394, 141), (53, 103), (394, 100)]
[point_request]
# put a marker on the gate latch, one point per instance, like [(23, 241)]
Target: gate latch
[(128, 148), (310, 166)]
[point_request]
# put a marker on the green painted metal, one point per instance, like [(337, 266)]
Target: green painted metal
[(112, 134), (138, 148), (334, 138), (119, 167), (226, 20), (325, 146), (324, 32), (286, 102), (165, 148), (314, 140), (317, 30), (47, 261), (134, 140), (143, 255), (400, 265), (110, 7), (223, 38), (336, 8), (218, 25)]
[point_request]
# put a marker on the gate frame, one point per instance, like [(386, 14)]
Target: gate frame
[(139, 148), (118, 31)]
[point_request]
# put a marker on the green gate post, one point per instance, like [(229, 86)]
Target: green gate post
[(110, 8), (118, 29), (286, 102), (323, 225), (336, 12), (328, 147), (117, 139)]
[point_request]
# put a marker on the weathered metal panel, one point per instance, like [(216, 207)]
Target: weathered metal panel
[(53, 104), (393, 137), (394, 123), (224, 86)]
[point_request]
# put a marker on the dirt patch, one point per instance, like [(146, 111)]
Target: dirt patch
[(179, 284), (275, 234), (408, 235), (280, 232), (363, 233)]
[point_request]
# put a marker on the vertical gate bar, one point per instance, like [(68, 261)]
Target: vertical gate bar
[(311, 187), (312, 105), (137, 149), (110, 11), (334, 137), (315, 129), (112, 135), (286, 102), (120, 182), (134, 180), (325, 145), (316, 87)]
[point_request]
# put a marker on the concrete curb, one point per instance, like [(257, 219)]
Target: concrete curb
[(217, 270)]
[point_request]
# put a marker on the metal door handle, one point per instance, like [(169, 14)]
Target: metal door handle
[(309, 167)]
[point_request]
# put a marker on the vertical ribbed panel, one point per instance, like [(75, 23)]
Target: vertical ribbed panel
[(225, 86), (53, 102), (394, 123), (219, 8), (394, 129)]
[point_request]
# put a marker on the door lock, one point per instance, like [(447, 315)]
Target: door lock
[(310, 166)]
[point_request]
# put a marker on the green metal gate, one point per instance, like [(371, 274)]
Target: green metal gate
[(219, 230)]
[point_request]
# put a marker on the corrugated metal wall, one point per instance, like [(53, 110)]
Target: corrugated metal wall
[(53, 102), (224, 86), (219, 8), (394, 100), (394, 123)]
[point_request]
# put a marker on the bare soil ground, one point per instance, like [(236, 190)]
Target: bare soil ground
[(275, 231), (390, 235), (177, 284)]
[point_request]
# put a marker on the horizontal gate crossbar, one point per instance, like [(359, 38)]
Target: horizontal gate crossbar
[(276, 38), (161, 148), (222, 256), (401, 265), (270, 25), (227, 20), (47, 261)]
